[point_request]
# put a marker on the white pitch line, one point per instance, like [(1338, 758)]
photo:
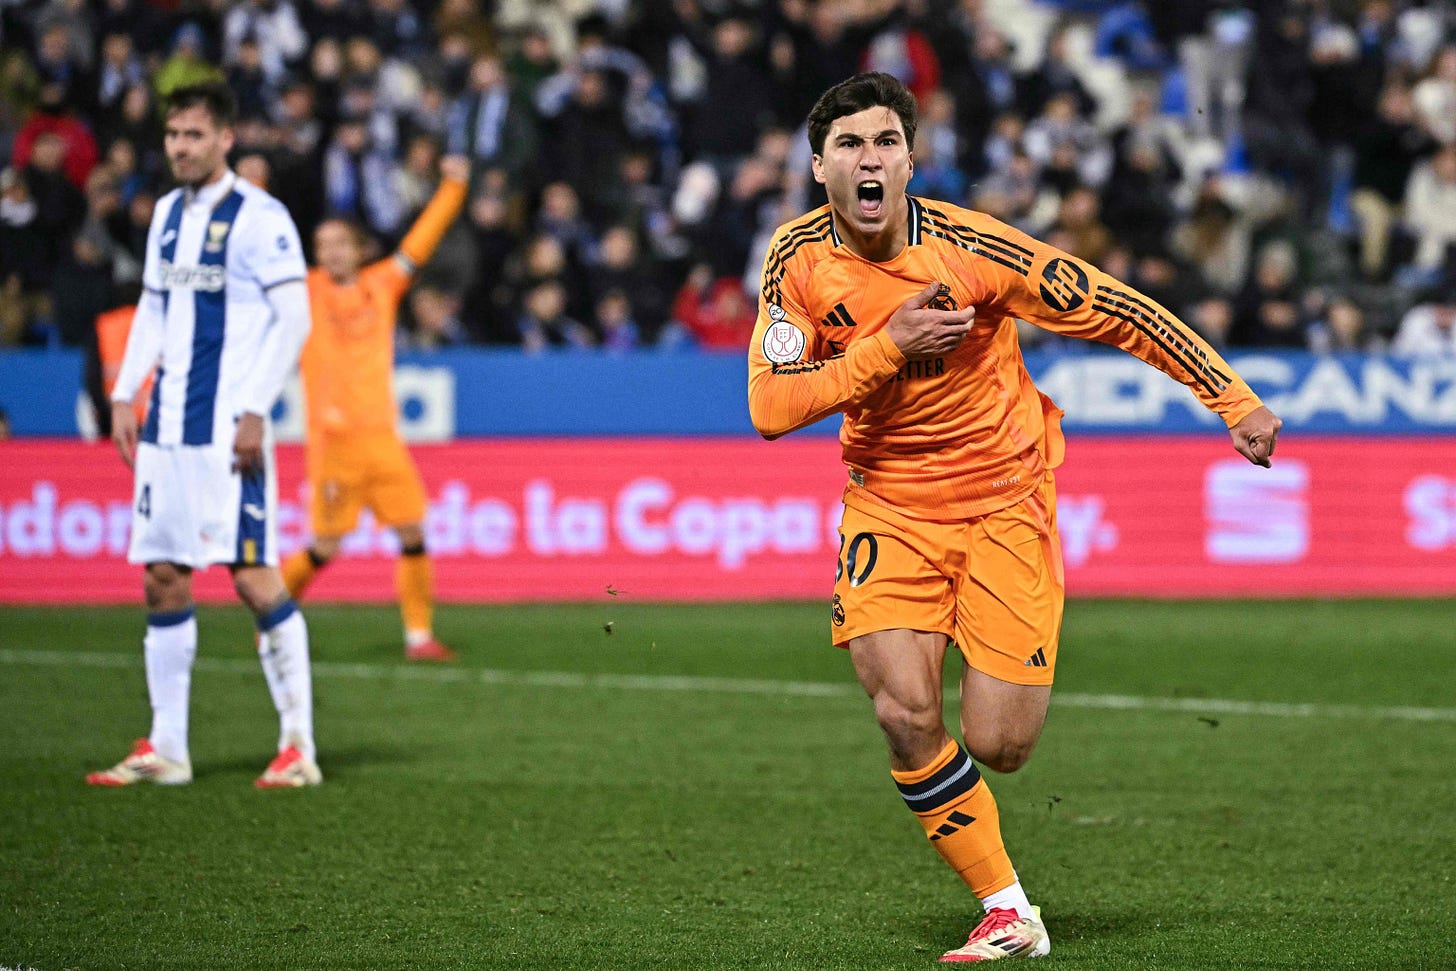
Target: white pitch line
[(692, 683)]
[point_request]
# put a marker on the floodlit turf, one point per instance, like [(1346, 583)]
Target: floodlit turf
[(480, 820)]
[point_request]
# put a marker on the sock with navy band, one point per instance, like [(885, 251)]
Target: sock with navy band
[(959, 814), (170, 647), (283, 649)]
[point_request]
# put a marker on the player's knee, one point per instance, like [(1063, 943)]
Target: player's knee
[(1001, 751), (323, 550), (167, 587), (908, 724), (259, 589), (411, 540)]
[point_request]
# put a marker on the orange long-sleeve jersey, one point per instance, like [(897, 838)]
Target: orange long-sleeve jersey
[(348, 362), (965, 434)]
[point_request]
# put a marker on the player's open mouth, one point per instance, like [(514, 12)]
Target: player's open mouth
[(871, 198)]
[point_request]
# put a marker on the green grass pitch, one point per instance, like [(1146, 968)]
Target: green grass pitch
[(678, 793)]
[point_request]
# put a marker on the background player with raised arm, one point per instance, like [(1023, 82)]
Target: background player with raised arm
[(225, 312), (901, 313), (356, 457)]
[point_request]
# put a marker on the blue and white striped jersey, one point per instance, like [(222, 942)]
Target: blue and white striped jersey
[(212, 255)]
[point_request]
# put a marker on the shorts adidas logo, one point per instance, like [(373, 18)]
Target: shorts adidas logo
[(1037, 660)]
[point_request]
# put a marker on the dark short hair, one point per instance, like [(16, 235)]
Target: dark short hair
[(870, 90), (215, 96)]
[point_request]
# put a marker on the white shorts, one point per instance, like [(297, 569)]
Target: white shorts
[(189, 507)]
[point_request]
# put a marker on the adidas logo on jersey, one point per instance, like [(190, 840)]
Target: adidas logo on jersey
[(838, 317), (1037, 660)]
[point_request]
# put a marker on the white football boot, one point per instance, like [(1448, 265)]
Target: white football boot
[(143, 765), (1004, 934)]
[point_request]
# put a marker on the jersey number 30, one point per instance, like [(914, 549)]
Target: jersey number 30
[(859, 563)]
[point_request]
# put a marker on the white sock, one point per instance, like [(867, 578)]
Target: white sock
[(1011, 898), (414, 638), (170, 646), (283, 649)]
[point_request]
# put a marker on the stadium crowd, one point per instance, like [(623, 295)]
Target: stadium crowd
[(1279, 174)]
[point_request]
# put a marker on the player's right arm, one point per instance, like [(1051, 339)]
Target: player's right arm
[(143, 348), (785, 395)]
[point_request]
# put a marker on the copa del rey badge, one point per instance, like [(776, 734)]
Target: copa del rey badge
[(783, 343)]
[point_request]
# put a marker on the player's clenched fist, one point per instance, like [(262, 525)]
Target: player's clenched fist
[(455, 168), (918, 331)]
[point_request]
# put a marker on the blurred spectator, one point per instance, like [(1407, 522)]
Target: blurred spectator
[(1213, 318), (81, 286), (254, 168), (716, 312), (189, 62), (54, 118), (1061, 141), (1386, 149), (1277, 124), (1215, 240), (1056, 79), (60, 206), (1434, 97), (1268, 311), (738, 97), (490, 126), (619, 267), (544, 322), (249, 82), (61, 59), (272, 26), (531, 61), (397, 29), (615, 322), (1429, 328), (585, 142), (335, 19), (120, 69), (435, 316), (357, 183), (22, 256), (937, 152), (1080, 223), (1340, 328), (1430, 212), (560, 217), (488, 301)]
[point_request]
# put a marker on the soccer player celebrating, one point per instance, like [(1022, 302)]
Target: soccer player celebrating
[(355, 454), (225, 311), (901, 313)]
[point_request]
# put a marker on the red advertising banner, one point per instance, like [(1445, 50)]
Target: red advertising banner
[(736, 519)]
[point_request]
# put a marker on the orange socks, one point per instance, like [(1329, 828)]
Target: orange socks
[(414, 579), (955, 806), (299, 570)]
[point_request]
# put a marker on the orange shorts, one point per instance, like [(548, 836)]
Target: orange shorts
[(994, 584), (350, 472)]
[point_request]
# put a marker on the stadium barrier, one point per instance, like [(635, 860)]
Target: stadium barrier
[(731, 518), (474, 392)]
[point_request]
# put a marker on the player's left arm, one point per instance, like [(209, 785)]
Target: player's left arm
[(1067, 296), (274, 256), (424, 237)]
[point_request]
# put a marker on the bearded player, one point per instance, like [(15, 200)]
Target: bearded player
[(901, 313), (355, 455)]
